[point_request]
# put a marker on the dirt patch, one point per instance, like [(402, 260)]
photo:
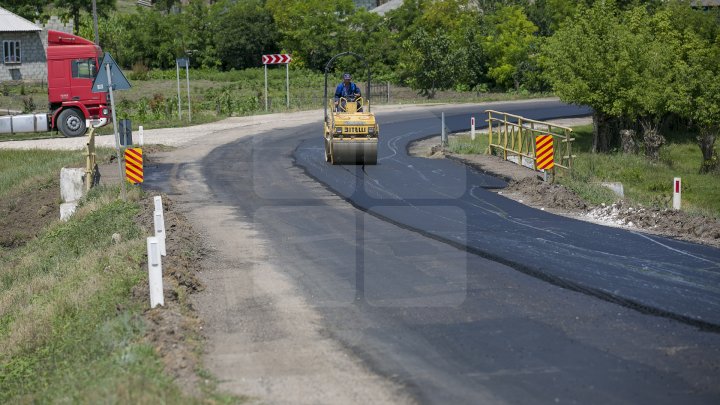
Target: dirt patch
[(25, 213), (175, 330), (538, 193), (525, 186)]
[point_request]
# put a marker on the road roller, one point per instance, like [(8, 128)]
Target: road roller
[(350, 129)]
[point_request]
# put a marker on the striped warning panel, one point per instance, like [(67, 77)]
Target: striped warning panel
[(134, 165), (544, 152)]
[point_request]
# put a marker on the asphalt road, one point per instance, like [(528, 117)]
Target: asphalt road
[(463, 296), (653, 274)]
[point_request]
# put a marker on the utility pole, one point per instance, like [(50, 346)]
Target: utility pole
[(95, 23)]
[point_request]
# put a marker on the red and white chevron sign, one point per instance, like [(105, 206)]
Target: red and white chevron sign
[(274, 59)]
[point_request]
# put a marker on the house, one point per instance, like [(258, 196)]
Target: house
[(22, 52), (23, 46)]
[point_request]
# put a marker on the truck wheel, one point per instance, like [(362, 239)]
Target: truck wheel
[(71, 122)]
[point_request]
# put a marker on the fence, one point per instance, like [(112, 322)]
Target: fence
[(514, 136)]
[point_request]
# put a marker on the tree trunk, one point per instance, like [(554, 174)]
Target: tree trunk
[(652, 138), (706, 141), (600, 133), (627, 140)]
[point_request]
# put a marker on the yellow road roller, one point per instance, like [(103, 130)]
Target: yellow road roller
[(350, 130)]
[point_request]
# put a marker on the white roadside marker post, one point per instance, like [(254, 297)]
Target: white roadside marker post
[(676, 193), (159, 222), (472, 128), (140, 131), (155, 273), (160, 231), (443, 134)]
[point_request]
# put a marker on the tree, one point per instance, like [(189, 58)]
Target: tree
[(28, 9), (589, 62), (653, 73), (73, 8), (198, 40), (698, 96), (429, 62), (243, 32), (370, 37), (166, 5), (509, 36), (313, 30), (150, 38)]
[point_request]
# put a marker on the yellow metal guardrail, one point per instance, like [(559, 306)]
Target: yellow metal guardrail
[(514, 135)]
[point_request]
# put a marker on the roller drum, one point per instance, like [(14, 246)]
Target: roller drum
[(352, 152)]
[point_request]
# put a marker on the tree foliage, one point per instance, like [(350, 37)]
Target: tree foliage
[(251, 28), (509, 38), (640, 64), (73, 8), (28, 9), (429, 62), (312, 30)]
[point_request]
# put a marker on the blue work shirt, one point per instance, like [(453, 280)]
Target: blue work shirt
[(346, 91)]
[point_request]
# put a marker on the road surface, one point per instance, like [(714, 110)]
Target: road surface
[(456, 294)]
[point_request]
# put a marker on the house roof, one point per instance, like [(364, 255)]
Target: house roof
[(10, 22)]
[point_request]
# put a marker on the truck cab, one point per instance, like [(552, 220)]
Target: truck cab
[(73, 63)]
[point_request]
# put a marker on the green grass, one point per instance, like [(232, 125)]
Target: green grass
[(650, 183), (70, 330), (20, 166), (62, 337), (645, 182)]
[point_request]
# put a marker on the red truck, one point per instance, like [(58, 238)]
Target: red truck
[(72, 64)]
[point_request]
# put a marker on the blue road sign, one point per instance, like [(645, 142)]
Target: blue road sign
[(182, 62), (119, 82)]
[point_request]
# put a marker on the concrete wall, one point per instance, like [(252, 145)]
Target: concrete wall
[(33, 65), (33, 48)]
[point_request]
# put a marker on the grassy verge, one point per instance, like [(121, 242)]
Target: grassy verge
[(647, 183), (70, 329), (19, 167)]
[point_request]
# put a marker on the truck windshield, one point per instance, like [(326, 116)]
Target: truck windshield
[(84, 68)]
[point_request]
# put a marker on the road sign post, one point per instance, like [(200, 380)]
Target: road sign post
[(109, 79), (275, 60), (177, 70), (187, 78)]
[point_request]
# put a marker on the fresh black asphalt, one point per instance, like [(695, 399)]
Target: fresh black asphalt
[(462, 296), (650, 273)]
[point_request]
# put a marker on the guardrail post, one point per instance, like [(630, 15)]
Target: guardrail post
[(90, 161), (155, 272), (505, 141), (490, 134)]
